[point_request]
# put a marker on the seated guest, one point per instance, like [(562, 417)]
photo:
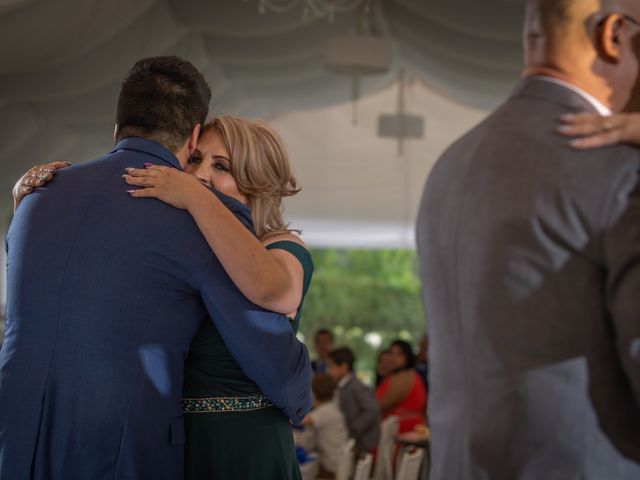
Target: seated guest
[(328, 423), (357, 402), (402, 393), (323, 344), (383, 366)]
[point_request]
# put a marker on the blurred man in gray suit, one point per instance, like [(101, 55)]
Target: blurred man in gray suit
[(530, 258), (357, 402)]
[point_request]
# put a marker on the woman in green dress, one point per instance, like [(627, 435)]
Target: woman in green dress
[(233, 430)]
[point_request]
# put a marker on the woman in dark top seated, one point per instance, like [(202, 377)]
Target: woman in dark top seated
[(233, 430)]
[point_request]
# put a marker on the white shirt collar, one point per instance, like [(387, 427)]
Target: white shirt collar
[(597, 104), (344, 380)]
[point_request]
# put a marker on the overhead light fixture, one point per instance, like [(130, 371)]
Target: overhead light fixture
[(401, 125), (310, 8), (365, 50)]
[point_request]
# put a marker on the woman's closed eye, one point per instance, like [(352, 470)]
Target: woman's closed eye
[(223, 167), (221, 164), (195, 158)]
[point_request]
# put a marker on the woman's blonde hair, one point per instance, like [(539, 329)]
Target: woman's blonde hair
[(260, 167)]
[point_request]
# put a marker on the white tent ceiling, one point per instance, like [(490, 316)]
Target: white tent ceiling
[(61, 63)]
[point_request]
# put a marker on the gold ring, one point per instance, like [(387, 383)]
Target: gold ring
[(607, 126)]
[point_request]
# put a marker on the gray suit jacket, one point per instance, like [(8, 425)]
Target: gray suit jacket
[(530, 259), (361, 412)]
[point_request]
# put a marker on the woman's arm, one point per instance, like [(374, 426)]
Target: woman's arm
[(36, 177), (272, 279), (593, 130), (400, 385)]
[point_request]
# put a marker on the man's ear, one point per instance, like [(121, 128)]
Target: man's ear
[(115, 133), (193, 138), (609, 37)]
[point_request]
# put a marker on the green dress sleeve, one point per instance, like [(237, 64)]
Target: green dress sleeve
[(304, 257)]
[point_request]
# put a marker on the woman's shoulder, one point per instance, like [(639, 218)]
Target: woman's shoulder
[(293, 244), (284, 237), (405, 373), (403, 378)]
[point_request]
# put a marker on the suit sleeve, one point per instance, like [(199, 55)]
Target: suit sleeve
[(368, 412), (262, 342), (616, 367), (622, 251)]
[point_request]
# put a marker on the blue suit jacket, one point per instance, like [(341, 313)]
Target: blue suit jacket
[(105, 293)]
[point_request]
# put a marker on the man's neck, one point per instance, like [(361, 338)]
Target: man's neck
[(183, 156), (592, 87)]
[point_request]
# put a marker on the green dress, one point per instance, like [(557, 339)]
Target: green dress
[(233, 431)]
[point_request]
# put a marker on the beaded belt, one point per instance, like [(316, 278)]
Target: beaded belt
[(225, 404)]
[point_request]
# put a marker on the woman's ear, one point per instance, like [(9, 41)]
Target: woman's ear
[(193, 138)]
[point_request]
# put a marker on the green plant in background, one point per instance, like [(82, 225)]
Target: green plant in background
[(367, 298)]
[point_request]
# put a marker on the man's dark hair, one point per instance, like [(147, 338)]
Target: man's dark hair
[(323, 331), (554, 12), (323, 387), (343, 355), (553, 15), (162, 99)]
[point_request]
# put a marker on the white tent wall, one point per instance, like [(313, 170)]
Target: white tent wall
[(61, 64), (357, 190)]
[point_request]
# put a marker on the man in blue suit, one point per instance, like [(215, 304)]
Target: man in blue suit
[(105, 293)]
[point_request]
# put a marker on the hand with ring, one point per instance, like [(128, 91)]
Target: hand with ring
[(591, 130), (178, 189), (36, 177)]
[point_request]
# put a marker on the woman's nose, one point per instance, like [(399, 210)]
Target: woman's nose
[(201, 172)]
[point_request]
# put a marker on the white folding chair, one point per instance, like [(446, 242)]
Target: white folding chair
[(409, 468), (386, 447), (345, 461), (363, 468), (310, 469)]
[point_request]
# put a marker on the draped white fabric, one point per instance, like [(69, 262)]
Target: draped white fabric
[(61, 63)]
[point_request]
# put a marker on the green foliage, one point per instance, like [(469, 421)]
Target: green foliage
[(361, 295)]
